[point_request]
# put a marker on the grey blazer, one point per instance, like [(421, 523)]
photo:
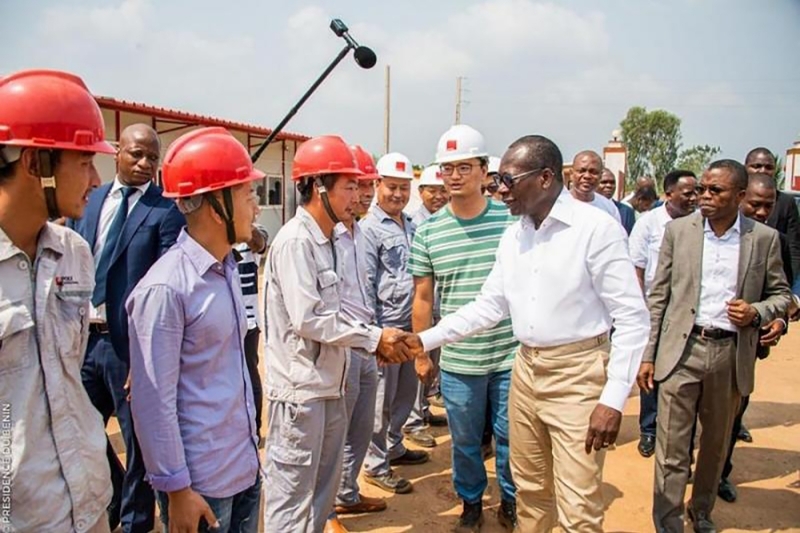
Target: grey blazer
[(675, 292)]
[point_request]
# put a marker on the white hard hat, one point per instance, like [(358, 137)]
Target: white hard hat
[(395, 165), (431, 176), (460, 142), (494, 164)]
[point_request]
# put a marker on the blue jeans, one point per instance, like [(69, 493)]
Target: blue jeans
[(648, 411), (467, 398), (236, 514)]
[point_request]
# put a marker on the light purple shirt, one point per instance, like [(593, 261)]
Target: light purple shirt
[(192, 400)]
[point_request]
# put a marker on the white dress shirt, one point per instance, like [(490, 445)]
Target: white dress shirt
[(606, 205), (564, 282), (719, 277), (645, 241), (107, 213)]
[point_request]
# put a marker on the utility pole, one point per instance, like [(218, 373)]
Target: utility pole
[(458, 100), (387, 104)]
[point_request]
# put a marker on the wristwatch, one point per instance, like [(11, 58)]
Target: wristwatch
[(756, 320)]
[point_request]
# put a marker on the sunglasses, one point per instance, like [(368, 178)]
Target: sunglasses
[(491, 188), (509, 181), (715, 190)]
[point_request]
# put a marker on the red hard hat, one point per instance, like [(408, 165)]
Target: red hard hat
[(328, 154), (50, 109), (365, 164), (205, 160)]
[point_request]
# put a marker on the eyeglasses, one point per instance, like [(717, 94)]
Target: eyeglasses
[(490, 188), (715, 190), (462, 168), (509, 181)]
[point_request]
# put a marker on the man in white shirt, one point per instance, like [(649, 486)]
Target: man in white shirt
[(563, 275), (719, 279), (587, 167), (645, 243)]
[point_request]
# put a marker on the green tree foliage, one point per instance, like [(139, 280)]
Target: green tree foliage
[(697, 158), (653, 139)]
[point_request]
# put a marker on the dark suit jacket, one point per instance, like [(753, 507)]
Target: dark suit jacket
[(785, 219), (150, 230), (675, 292), (627, 216)]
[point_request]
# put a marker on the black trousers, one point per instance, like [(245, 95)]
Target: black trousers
[(104, 375), (737, 425), (251, 341)]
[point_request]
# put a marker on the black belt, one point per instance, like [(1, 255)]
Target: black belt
[(100, 328), (713, 333)]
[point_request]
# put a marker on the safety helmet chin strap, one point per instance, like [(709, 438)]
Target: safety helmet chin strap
[(323, 194), (47, 178), (225, 214)]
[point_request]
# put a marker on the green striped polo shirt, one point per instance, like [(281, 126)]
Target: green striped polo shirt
[(459, 254)]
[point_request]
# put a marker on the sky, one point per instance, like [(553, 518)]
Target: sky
[(568, 70)]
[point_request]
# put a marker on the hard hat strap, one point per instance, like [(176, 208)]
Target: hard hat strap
[(323, 194), (44, 160), (225, 214)]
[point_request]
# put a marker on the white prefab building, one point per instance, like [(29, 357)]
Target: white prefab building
[(276, 194)]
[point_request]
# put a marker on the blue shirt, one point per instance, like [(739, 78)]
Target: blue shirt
[(192, 400), (390, 287), (627, 216)]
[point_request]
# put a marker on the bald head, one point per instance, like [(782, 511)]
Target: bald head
[(588, 154), (138, 156), (645, 181)]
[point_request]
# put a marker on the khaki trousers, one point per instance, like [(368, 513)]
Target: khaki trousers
[(553, 393), (703, 385)]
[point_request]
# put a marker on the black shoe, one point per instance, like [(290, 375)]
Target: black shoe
[(726, 490), (647, 445), (744, 435), (471, 518), (436, 420), (507, 514), (701, 522), (411, 457)]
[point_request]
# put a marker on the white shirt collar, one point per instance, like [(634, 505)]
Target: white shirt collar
[(561, 211), (118, 185), (736, 228)]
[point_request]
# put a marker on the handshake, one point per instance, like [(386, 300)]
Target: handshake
[(398, 346)]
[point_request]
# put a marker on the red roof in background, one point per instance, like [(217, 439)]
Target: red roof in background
[(191, 118)]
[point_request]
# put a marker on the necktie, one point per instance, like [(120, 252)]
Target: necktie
[(114, 231)]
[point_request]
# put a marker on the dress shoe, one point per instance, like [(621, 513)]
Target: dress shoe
[(647, 445), (471, 518), (411, 457), (507, 514), (421, 437), (701, 522), (744, 435), (390, 482), (437, 401), (365, 505), (334, 526), (436, 420), (726, 490)]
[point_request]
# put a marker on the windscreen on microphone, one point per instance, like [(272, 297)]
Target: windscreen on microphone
[(365, 57)]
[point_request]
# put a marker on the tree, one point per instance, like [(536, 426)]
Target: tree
[(653, 139), (697, 158)]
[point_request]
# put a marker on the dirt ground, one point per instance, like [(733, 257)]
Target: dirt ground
[(766, 471)]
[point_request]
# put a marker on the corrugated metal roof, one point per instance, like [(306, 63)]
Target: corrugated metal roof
[(191, 118)]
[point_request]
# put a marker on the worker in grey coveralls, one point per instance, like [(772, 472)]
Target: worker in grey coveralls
[(390, 287), (308, 338)]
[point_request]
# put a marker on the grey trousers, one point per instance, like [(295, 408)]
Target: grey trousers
[(362, 387), (397, 391), (304, 464), (422, 408), (703, 384)]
